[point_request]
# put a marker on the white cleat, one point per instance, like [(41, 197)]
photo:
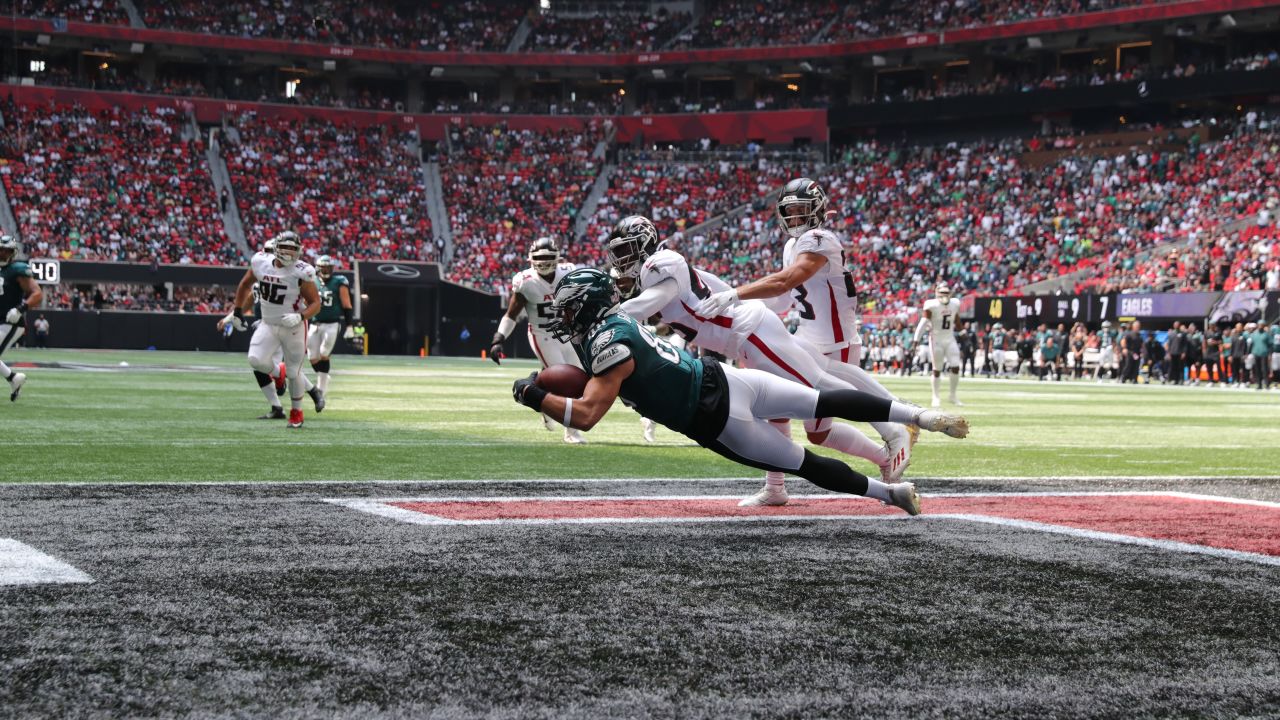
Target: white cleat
[(574, 437), (650, 430), (903, 495), (770, 496), (898, 450), (19, 379), (548, 424), (956, 401), (937, 401), (933, 421)]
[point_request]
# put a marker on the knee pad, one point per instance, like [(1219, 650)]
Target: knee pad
[(262, 378)]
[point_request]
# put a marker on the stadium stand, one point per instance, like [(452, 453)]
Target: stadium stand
[(465, 25), (348, 192), (506, 187), (110, 186), (620, 32), (91, 11)]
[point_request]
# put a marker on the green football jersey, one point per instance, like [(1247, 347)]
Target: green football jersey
[(666, 384), (331, 299), (11, 292)]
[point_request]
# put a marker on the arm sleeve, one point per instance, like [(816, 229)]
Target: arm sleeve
[(653, 299)]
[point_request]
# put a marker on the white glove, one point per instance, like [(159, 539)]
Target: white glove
[(233, 321), (13, 316), (348, 333), (291, 320), (714, 305)]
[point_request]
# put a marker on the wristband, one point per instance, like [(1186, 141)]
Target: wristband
[(238, 313), (346, 316), (505, 326), (568, 412)]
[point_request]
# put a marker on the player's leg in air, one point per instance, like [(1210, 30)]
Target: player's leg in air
[(18, 291), (320, 341), (755, 397), (10, 333), (773, 350)]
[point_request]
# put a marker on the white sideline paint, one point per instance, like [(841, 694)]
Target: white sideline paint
[(21, 564), (381, 508), (1117, 538), (754, 479)]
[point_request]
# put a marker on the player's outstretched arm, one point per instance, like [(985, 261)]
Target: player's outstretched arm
[(505, 326), (652, 299), (583, 413), (782, 282)]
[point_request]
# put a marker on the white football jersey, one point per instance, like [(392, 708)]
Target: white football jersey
[(537, 295), (279, 288), (723, 333), (828, 301), (942, 318)]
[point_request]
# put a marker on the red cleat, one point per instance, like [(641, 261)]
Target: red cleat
[(295, 418), (280, 381)]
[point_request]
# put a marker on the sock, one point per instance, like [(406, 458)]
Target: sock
[(955, 381), (4, 370), (306, 381), (849, 441), (773, 478), (853, 405), (322, 381), (877, 490), (903, 413), (935, 382), (267, 387), (831, 474)]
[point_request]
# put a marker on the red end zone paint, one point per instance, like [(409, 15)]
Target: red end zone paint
[(1192, 520)]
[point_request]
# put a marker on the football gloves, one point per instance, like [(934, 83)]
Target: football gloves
[(348, 333), (14, 316), (234, 321), (714, 305), (291, 320), (495, 348), (527, 393)]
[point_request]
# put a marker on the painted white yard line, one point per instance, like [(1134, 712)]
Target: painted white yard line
[(21, 564), (638, 481), (794, 496), (1172, 545)]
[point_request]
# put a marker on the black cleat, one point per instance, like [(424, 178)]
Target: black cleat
[(277, 413), (317, 397)]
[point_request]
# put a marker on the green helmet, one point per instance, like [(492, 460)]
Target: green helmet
[(8, 249), (581, 299), (325, 266)]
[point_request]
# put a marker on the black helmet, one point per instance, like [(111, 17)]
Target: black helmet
[(632, 241), (802, 198)]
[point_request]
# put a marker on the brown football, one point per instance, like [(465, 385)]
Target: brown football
[(563, 380)]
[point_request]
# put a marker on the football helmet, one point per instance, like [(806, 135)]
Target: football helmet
[(544, 256), (581, 299), (801, 207), (626, 286), (630, 243), (287, 247), (943, 292), (325, 266), (8, 249)]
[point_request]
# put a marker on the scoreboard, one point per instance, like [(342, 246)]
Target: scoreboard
[(1047, 309)]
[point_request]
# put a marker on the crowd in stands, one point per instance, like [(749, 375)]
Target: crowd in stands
[(489, 25), (620, 32), (106, 12), (506, 188), (860, 20), (110, 185), (348, 192), (465, 25), (1064, 78), (151, 298)]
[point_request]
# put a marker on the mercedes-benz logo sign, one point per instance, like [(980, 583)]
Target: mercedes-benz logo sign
[(399, 271)]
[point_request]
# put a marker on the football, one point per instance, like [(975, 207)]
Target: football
[(564, 380)]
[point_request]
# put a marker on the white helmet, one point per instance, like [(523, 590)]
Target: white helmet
[(943, 291), (325, 266), (287, 247), (544, 256)]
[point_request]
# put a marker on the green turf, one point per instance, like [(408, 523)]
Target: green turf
[(409, 418)]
